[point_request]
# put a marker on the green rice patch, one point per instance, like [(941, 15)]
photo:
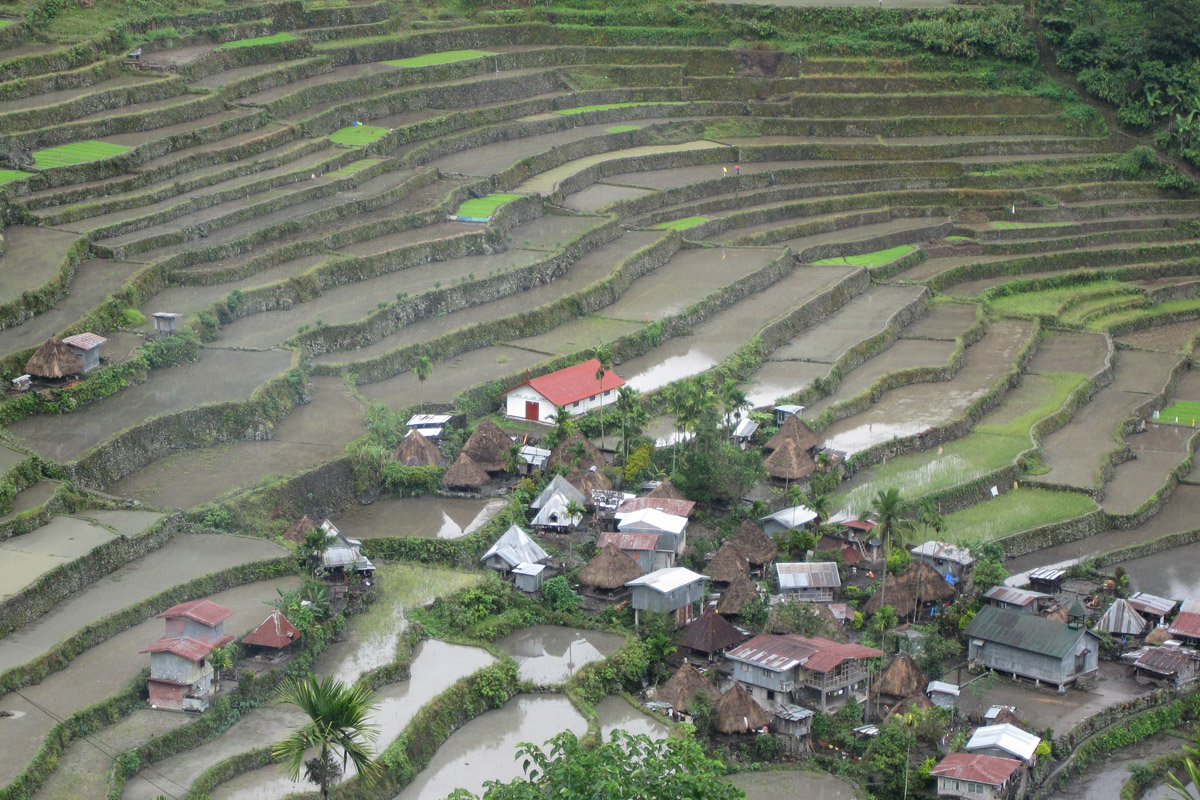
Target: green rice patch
[(959, 239), (1187, 306), (358, 135), (1013, 512), (875, 259), (77, 153), (8, 175), (1007, 226), (1181, 412), (352, 168), (484, 207), (274, 38), (4, 23), (434, 59), (1051, 301), (622, 128), (610, 106), (680, 224), (1079, 312)]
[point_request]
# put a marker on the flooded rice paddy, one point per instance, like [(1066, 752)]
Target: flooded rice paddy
[(486, 747), (547, 654), (24, 559), (425, 517), (617, 713), (780, 785), (1102, 781)]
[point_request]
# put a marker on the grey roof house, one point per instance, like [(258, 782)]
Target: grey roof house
[(513, 548), (1032, 647), (808, 581), (676, 590)]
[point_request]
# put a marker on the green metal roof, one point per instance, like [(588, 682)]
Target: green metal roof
[(1025, 631)]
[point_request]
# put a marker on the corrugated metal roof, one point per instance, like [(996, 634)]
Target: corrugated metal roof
[(558, 485), (85, 341), (943, 687), (780, 653), (668, 505), (553, 513), (206, 612), (1025, 631), (668, 580), (1166, 660), (1191, 605), (792, 713), (1007, 737), (1123, 619), (651, 518), (1013, 597), (1186, 623), (745, 429), (427, 420), (991, 770), (1047, 574), (942, 550), (514, 547), (191, 649), (629, 541), (571, 384), (525, 568), (792, 517), (1152, 604), (808, 575)]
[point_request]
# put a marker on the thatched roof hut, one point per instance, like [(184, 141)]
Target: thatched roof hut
[(782, 619), (737, 712), (666, 491), (739, 592), (299, 531), (686, 683), (465, 473), (727, 564), (610, 569), (925, 584), (711, 633), (488, 447), (54, 360), (790, 462), (900, 678), (1158, 636), (914, 702), (754, 545), (588, 481), (576, 448), (796, 430), (896, 596), (415, 450)]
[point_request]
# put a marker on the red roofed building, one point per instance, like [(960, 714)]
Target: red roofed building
[(1186, 624), (638, 546), (274, 634), (819, 673), (180, 673), (574, 388), (982, 777)]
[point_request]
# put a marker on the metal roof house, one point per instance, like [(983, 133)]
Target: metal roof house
[(1020, 600), (1005, 741), (574, 388), (670, 529), (342, 556), (977, 777), (528, 577), (947, 559), (1033, 647), (788, 518), (1166, 666), (273, 636), (808, 582), (676, 590), (87, 347), (513, 548), (180, 673), (1122, 619), (558, 485), (638, 546), (1186, 624), (778, 670), (554, 514), (1152, 607)]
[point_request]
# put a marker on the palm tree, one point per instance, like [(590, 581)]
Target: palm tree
[(339, 720), (575, 510), (734, 399), (633, 416), (891, 513), (604, 356), (1191, 771), (564, 424), (821, 505), (424, 369)]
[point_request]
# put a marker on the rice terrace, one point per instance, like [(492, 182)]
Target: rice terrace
[(476, 374)]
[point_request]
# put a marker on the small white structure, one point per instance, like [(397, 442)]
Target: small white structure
[(558, 485), (513, 548), (87, 347), (808, 582), (1005, 741), (430, 426), (676, 590), (743, 432), (528, 577), (785, 411), (533, 458), (554, 514), (788, 518), (941, 694), (574, 388), (164, 322), (342, 555)]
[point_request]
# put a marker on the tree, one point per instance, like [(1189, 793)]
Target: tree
[(626, 766), (424, 370), (559, 596), (989, 568), (633, 416), (604, 356), (733, 398), (338, 717), (821, 505), (221, 659), (564, 426), (887, 758), (890, 512)]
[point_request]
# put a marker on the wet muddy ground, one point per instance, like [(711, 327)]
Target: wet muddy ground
[(24, 559), (942, 321), (426, 517), (601, 195), (1071, 352), (1157, 452), (903, 354), (578, 335), (1173, 338), (617, 713), (452, 376), (31, 498), (218, 376), (780, 785), (185, 557), (1103, 780), (861, 318), (546, 182), (911, 409), (547, 654), (31, 257), (486, 747)]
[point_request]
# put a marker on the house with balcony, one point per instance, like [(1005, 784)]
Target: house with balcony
[(818, 673), (180, 671)]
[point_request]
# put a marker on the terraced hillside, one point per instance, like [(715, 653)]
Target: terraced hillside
[(980, 294)]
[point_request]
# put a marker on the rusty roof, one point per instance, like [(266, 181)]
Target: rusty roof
[(629, 541), (1011, 596), (1187, 623), (85, 341), (191, 649), (669, 505), (206, 612), (808, 575), (780, 653), (1122, 618), (275, 631), (1166, 660), (991, 770)]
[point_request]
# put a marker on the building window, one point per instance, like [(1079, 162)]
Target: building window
[(770, 696)]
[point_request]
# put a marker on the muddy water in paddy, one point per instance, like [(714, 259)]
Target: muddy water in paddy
[(601, 195), (1173, 338), (31, 257), (548, 654), (1171, 573), (426, 517), (616, 713), (942, 321), (218, 376), (1103, 781), (861, 318), (31, 498), (24, 559), (915, 408), (791, 785), (903, 354), (486, 747), (452, 376), (436, 667)]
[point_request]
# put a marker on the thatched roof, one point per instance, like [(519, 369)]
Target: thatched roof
[(739, 592), (1006, 715), (900, 678), (913, 702), (727, 564), (415, 450), (1158, 636), (488, 447), (565, 453), (738, 713), (300, 530), (54, 360), (781, 621), (685, 684), (666, 491), (711, 633), (897, 597), (609, 569), (790, 462), (1058, 614), (796, 430), (754, 545), (465, 472), (925, 584), (588, 481)]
